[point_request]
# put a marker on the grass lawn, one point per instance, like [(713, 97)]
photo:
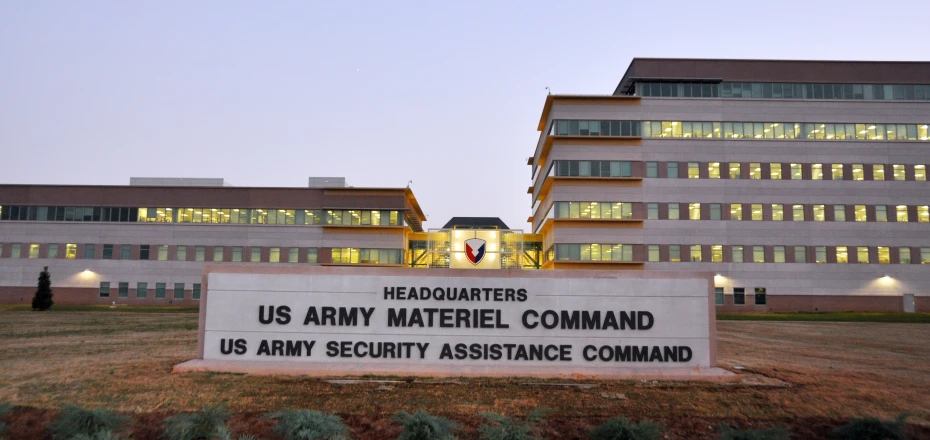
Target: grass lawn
[(911, 318), (101, 308)]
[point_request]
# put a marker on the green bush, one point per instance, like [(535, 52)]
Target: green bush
[(206, 424), (100, 435), (74, 421), (621, 429), (5, 408), (505, 428), (774, 433), (424, 426), (870, 428), (309, 425)]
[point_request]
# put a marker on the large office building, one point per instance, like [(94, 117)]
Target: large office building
[(801, 184)]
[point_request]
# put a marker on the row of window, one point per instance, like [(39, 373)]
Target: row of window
[(598, 210), (593, 252), (591, 168), (782, 212), (791, 171), (142, 290), (779, 254), (739, 296), (863, 131), (349, 217), (765, 90)]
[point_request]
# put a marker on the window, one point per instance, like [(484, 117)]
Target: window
[(884, 255), (694, 170), (672, 170), (739, 296), (881, 213), (798, 212), (160, 290), (144, 251), (920, 172), (820, 254), (312, 255), (839, 213), (652, 211), (713, 170), (734, 171), (653, 252), (857, 172), (796, 173), (924, 255), (199, 253), (760, 296), (89, 251), (778, 212), (123, 291), (819, 214), (899, 173), (673, 211), (800, 254), (862, 254), (756, 210), (256, 254), (878, 172), (716, 253), (842, 255), (718, 295), (196, 292), (694, 211), (738, 254), (237, 253), (836, 171), (817, 171), (715, 211), (17, 250), (775, 171), (181, 253), (178, 290), (758, 254), (52, 251), (104, 289), (125, 252), (218, 253), (162, 252), (695, 253), (274, 255), (923, 216), (142, 290), (860, 213), (70, 251), (292, 255), (904, 255), (755, 170), (674, 253), (108, 252), (779, 254), (652, 169), (901, 211), (34, 250), (736, 211)]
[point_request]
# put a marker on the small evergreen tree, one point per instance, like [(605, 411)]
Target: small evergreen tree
[(43, 298)]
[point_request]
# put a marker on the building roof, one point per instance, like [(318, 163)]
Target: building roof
[(475, 223), (792, 71)]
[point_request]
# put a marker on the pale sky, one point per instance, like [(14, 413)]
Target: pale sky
[(447, 94)]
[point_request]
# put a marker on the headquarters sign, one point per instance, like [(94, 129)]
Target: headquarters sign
[(338, 321)]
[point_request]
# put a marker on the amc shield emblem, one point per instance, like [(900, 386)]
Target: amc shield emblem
[(474, 250)]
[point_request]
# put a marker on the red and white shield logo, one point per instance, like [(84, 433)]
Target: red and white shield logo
[(474, 250)]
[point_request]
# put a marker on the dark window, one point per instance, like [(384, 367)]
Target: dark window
[(652, 169), (142, 290), (739, 296), (89, 251), (178, 290), (718, 295), (108, 252), (125, 252), (144, 252), (123, 290), (760, 296), (159, 290), (196, 292), (104, 289), (673, 170)]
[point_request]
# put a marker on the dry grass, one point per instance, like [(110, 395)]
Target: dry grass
[(123, 361)]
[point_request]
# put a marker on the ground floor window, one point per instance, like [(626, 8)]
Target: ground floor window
[(196, 293), (160, 290), (739, 296), (123, 290), (760, 296), (104, 289), (178, 290), (718, 295), (142, 290)]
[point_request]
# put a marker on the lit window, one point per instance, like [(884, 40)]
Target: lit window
[(716, 253), (884, 255), (674, 253), (800, 254), (734, 171), (736, 211), (694, 170), (924, 255), (755, 171), (920, 172), (756, 209), (694, 211), (778, 212), (857, 172), (696, 253), (878, 172), (779, 254), (819, 213), (163, 252), (673, 211), (860, 213), (274, 255), (738, 254), (904, 255), (902, 213), (775, 171), (798, 212), (836, 171), (881, 213), (839, 213), (923, 214), (820, 254), (713, 170), (899, 173), (862, 253), (817, 171), (34, 250), (796, 173), (842, 256), (758, 254)]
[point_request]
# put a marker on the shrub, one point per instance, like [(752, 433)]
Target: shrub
[(870, 428), (774, 433), (504, 428), (100, 435), (424, 426), (621, 429), (5, 409), (207, 424), (74, 421), (42, 300), (309, 425)]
